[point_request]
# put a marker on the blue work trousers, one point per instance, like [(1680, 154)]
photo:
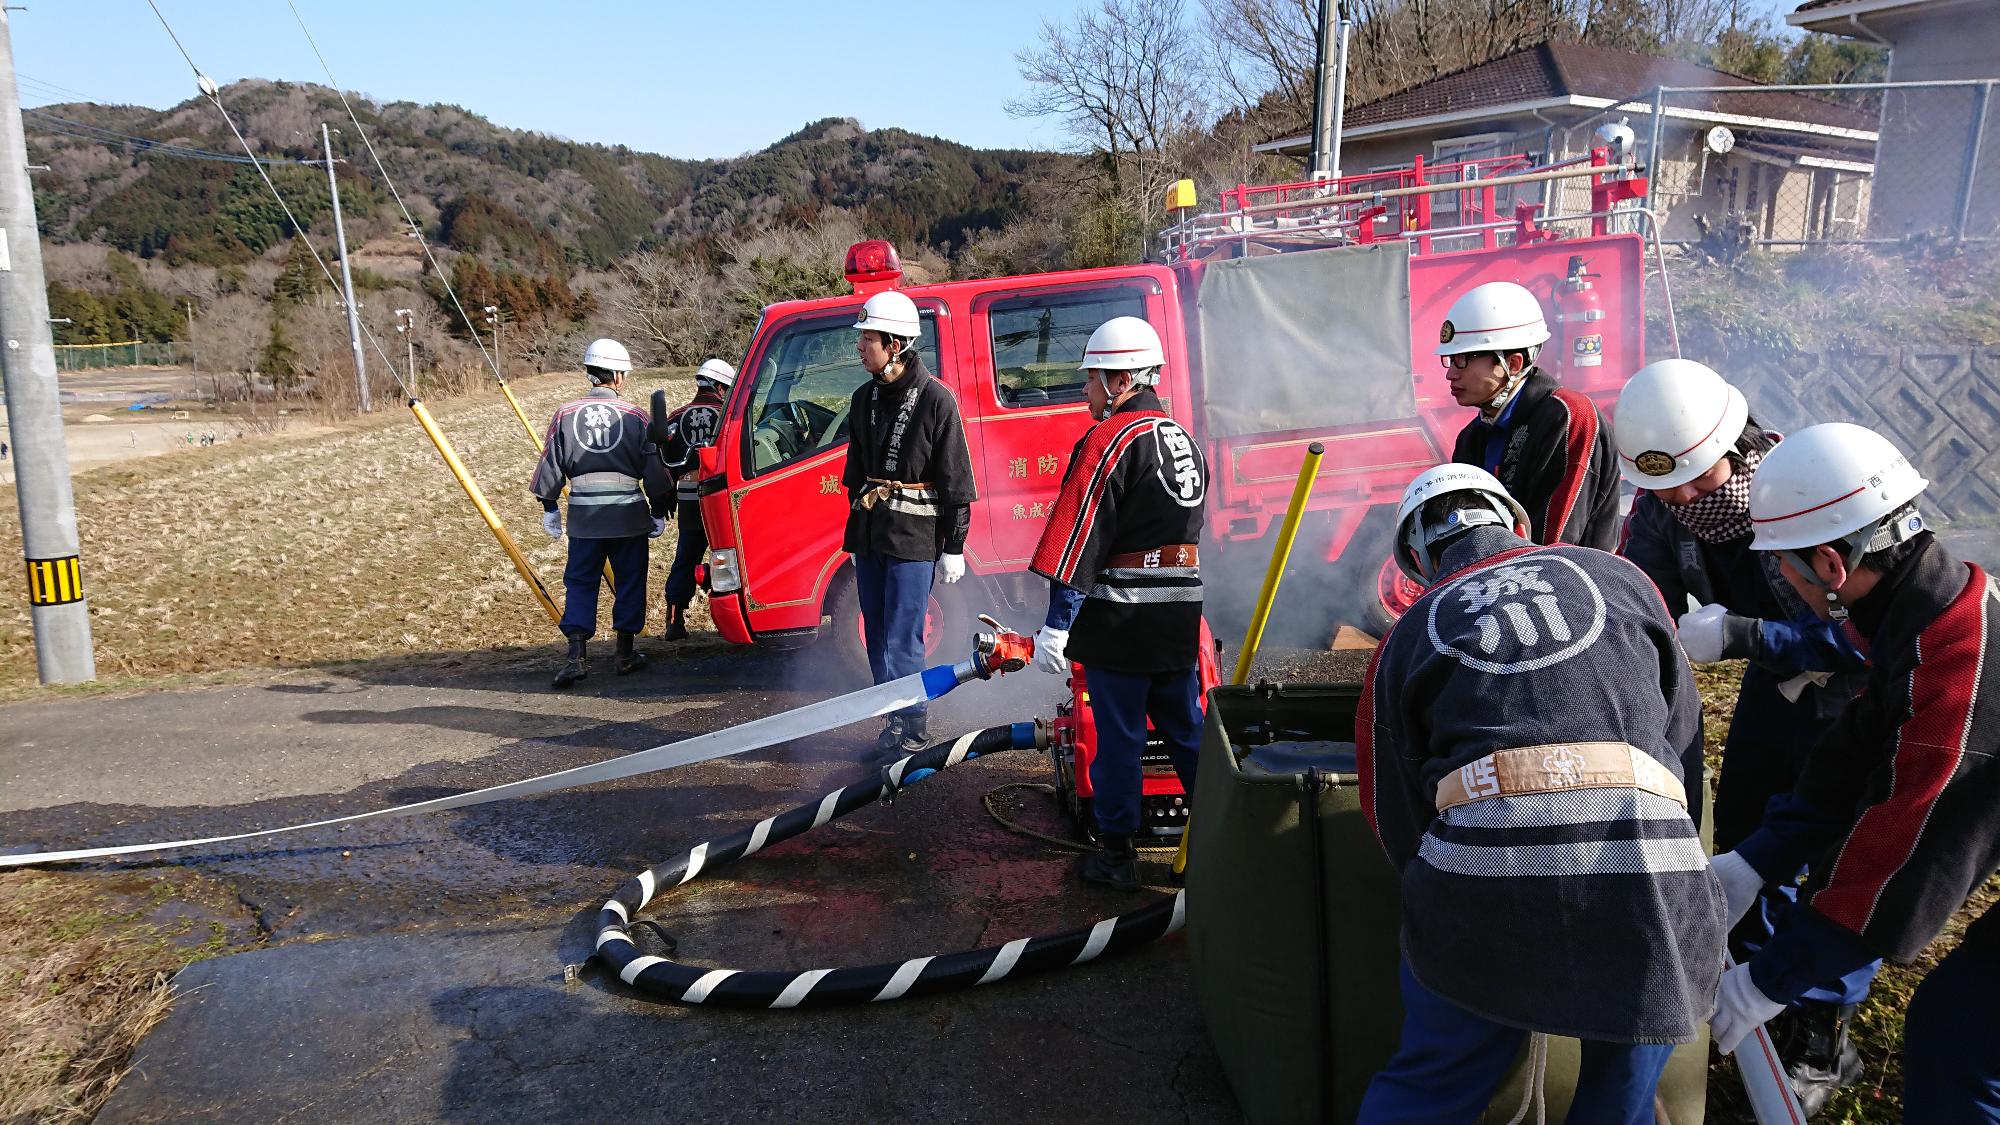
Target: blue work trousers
[(1951, 1034), (585, 572), (1769, 740), (895, 598), (1121, 702), (1450, 1063), (688, 551)]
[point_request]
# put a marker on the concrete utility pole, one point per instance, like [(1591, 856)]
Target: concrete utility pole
[(346, 276), (56, 606), (1329, 91)]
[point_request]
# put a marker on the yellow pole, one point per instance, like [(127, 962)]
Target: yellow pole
[(521, 414), (486, 512), (1281, 552)]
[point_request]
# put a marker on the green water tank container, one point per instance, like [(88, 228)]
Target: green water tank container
[(1293, 919)]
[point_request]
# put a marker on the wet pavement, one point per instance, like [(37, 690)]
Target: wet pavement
[(412, 969)]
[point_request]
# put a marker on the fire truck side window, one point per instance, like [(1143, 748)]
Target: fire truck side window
[(1038, 340), (804, 382)]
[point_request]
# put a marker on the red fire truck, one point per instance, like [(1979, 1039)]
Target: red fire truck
[(1294, 313)]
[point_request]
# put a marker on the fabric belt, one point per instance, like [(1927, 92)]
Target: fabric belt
[(909, 493), (1557, 767), (1171, 555)]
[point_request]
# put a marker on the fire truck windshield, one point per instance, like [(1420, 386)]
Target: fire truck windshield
[(808, 372)]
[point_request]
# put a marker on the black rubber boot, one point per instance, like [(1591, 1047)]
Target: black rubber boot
[(891, 738), (629, 659), (1117, 866), (916, 734), (1819, 1058), (676, 629), (574, 669)]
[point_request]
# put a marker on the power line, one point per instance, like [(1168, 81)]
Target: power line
[(81, 130), (491, 361), (46, 85)]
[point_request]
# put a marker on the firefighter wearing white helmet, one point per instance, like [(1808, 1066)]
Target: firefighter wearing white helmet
[(682, 435), (910, 490), (1121, 553), (1527, 741), (1894, 813), (599, 448), (1548, 444), (1689, 445), (1687, 442)]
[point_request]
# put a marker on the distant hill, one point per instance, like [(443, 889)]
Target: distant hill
[(505, 194)]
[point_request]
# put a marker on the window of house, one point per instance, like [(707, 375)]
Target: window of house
[(1038, 339)]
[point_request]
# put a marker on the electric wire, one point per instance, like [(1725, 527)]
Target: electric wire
[(47, 85), (491, 360), (49, 122), (214, 95)]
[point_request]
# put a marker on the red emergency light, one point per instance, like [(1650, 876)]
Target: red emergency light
[(872, 265)]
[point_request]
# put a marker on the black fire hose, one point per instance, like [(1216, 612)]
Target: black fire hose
[(892, 980)]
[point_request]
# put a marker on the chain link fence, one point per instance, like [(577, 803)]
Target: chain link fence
[(1793, 166), (128, 353)]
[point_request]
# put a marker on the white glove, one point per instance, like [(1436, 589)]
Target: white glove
[(1701, 633), (659, 529), (1740, 1008), (1740, 884), (1049, 646), (552, 522), (951, 568)]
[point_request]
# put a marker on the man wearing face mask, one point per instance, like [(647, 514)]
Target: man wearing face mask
[(1120, 553), (1687, 442), (1548, 445), (1896, 815), (910, 489)]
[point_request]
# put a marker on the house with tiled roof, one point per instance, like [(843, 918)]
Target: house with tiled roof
[(1931, 137), (1797, 167)]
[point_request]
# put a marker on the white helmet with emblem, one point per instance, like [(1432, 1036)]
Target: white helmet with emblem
[(607, 355), (890, 313), (717, 372), (1419, 531), (1498, 316), (1124, 343), (1676, 419), (1830, 482)]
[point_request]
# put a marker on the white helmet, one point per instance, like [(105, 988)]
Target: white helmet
[(1676, 419), (1498, 316), (608, 354), (1124, 343), (1415, 535), (717, 372), (890, 313), (1830, 482)]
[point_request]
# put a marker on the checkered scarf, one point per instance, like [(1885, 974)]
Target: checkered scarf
[(1722, 515)]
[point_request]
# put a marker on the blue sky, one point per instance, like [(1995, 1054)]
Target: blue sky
[(675, 77)]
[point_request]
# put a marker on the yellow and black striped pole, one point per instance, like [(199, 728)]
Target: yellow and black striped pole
[(55, 581)]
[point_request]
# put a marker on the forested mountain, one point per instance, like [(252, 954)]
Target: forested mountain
[(125, 176)]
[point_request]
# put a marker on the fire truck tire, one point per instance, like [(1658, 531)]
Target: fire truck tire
[(662, 976)]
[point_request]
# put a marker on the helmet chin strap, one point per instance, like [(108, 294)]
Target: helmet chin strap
[(1880, 535), (1507, 389)]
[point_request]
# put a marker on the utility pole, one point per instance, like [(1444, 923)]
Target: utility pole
[(1329, 91), (194, 357), (56, 606), (406, 323), (346, 276), (493, 318)]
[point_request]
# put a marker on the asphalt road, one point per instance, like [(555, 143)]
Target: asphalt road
[(413, 968)]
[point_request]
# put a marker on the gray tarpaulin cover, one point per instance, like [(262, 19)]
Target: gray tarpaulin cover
[(1306, 340)]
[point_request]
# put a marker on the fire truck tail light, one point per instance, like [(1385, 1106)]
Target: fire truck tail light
[(724, 576), (873, 260)]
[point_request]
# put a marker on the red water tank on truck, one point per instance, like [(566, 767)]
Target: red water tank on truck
[(1296, 313)]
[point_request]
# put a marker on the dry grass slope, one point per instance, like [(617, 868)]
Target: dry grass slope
[(288, 550)]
